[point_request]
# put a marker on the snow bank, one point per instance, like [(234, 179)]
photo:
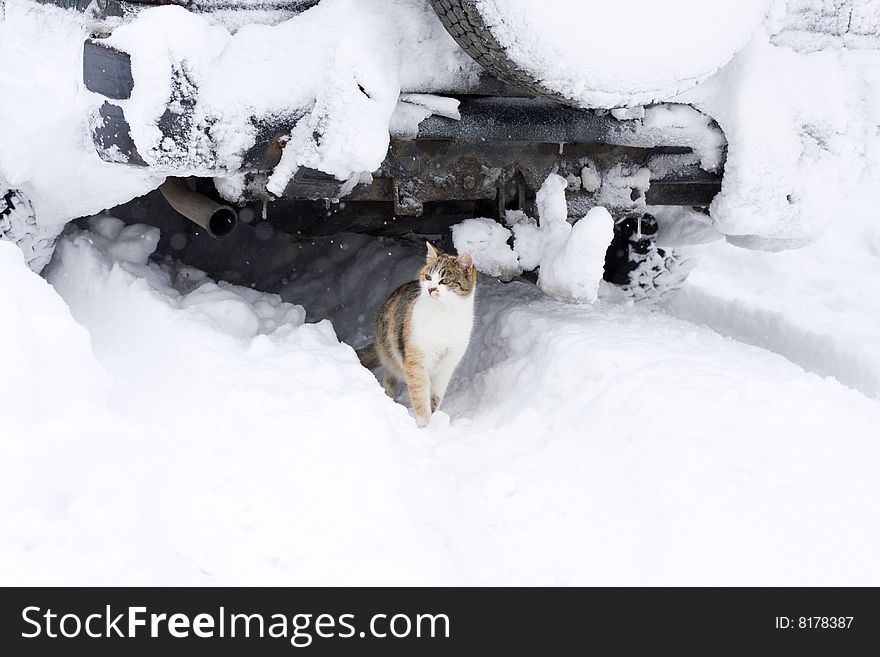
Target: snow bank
[(62, 498), (228, 452), (48, 368), (816, 305), (210, 459), (689, 462), (45, 147), (577, 432), (624, 53)]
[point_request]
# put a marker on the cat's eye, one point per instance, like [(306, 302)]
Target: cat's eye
[(444, 281), (427, 277)]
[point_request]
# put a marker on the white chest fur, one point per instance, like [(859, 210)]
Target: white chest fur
[(441, 329)]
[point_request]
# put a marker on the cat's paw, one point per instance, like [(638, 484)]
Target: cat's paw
[(440, 420), (422, 421)]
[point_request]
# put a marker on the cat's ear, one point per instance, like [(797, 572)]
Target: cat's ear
[(465, 261), (432, 252)]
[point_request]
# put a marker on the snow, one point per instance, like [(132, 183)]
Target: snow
[(816, 305), (811, 25), (486, 241), (439, 105), (797, 97), (603, 444), (51, 372), (620, 181), (679, 226), (591, 179), (624, 53), (353, 59), (573, 270), (45, 148), (412, 109), (352, 62), (162, 427), (223, 405), (708, 143), (571, 258), (803, 140)]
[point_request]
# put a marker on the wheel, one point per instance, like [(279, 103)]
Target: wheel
[(643, 270), (551, 48), (18, 224), (463, 21)]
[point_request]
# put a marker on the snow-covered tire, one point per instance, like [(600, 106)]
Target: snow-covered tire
[(628, 61), (18, 224), (463, 21), (641, 268)]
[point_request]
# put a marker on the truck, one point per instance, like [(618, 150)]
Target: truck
[(255, 113)]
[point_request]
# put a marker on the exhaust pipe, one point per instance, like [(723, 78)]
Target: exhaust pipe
[(217, 219)]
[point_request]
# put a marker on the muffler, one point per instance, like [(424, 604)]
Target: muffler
[(217, 219)]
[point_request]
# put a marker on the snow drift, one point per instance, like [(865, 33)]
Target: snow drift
[(216, 438)]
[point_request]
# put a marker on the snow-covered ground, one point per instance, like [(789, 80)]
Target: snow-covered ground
[(819, 305), (212, 436)]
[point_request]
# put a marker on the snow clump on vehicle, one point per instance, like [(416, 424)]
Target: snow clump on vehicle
[(623, 53), (571, 257), (335, 72)]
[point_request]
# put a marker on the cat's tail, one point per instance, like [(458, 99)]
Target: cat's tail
[(368, 356)]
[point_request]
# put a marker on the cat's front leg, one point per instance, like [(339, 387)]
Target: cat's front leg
[(419, 388), (440, 378)]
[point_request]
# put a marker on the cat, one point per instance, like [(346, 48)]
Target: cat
[(423, 329)]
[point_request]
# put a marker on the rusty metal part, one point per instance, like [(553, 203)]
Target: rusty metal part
[(419, 172)]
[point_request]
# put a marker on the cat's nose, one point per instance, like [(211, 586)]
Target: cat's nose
[(432, 291)]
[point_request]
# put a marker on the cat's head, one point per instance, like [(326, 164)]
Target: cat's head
[(444, 275)]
